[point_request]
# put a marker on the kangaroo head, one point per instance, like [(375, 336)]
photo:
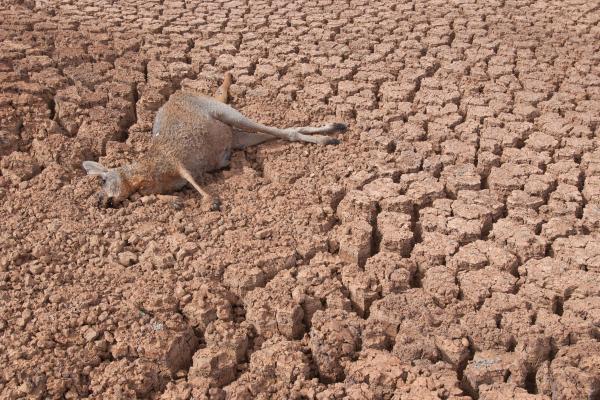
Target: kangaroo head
[(116, 188)]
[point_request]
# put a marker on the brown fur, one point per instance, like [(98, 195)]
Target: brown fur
[(192, 135)]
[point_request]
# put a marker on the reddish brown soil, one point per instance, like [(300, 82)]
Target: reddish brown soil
[(447, 249)]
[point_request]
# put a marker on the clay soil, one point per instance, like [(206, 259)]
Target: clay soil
[(446, 249)]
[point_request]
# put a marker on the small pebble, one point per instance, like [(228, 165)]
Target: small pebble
[(263, 234), (90, 334), (127, 258)]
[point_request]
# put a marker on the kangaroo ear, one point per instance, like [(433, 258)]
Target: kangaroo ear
[(94, 168)]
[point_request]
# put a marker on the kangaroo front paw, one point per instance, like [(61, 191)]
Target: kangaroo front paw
[(211, 204), (215, 205)]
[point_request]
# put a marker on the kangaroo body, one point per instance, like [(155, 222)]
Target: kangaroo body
[(191, 135), (183, 130)]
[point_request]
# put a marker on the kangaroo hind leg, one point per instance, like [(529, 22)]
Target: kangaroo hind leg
[(243, 139), (235, 119)]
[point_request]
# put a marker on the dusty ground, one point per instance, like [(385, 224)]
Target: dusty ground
[(447, 249)]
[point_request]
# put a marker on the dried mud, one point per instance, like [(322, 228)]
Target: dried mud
[(446, 249)]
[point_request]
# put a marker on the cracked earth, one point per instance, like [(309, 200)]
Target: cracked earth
[(446, 249)]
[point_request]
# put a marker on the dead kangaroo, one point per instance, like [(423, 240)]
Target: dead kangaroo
[(192, 135)]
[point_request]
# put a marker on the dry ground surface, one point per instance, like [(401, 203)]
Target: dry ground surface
[(447, 249)]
